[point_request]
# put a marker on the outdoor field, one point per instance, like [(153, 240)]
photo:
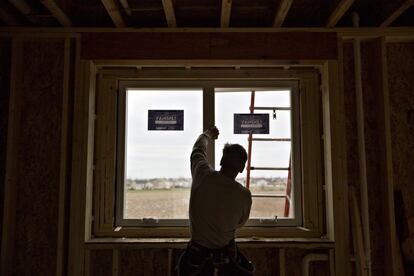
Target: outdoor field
[(173, 203)]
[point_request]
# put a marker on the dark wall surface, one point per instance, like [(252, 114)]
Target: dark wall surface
[(5, 55), (38, 168)]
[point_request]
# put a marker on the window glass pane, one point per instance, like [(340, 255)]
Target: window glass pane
[(157, 170), (268, 185)]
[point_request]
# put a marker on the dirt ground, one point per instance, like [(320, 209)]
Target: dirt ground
[(173, 203)]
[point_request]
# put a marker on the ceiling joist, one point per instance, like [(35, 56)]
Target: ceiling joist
[(57, 12), (282, 12), (114, 12), (225, 13), (169, 13), (339, 11), (407, 4)]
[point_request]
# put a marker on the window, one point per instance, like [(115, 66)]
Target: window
[(142, 175), (154, 179)]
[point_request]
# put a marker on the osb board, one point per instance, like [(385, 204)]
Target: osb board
[(400, 59), (350, 116), (265, 260), (5, 53), (294, 259), (209, 46), (38, 166), (372, 85), (101, 262), (143, 262)]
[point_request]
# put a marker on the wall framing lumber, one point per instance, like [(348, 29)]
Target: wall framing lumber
[(392, 34), (63, 159), (82, 164), (225, 13), (406, 5), (11, 175), (209, 46), (8, 18), (114, 12), (57, 12), (282, 12), (339, 11), (169, 13), (386, 160), (335, 164)]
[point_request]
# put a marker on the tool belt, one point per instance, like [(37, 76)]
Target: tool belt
[(200, 260)]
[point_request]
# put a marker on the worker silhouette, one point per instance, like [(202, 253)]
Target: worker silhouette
[(218, 206)]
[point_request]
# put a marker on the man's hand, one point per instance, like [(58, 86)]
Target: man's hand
[(213, 133)]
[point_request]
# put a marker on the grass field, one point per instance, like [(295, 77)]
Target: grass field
[(173, 203)]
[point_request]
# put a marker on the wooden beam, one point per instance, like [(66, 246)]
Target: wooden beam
[(12, 158), (282, 12), (407, 4), (339, 11), (57, 12), (225, 13), (114, 12), (169, 13)]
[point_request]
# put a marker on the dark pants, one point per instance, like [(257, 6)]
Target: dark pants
[(199, 260)]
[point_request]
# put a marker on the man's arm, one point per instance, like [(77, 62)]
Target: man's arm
[(199, 162)]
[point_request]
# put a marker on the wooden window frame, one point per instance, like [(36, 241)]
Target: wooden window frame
[(105, 146)]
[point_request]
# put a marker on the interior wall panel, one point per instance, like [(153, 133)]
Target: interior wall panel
[(39, 157)]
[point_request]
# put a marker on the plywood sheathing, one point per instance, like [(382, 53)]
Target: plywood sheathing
[(265, 260), (400, 58), (246, 13), (143, 262), (5, 54), (378, 209), (350, 116), (38, 166), (147, 13), (101, 262), (309, 13), (89, 13), (204, 13)]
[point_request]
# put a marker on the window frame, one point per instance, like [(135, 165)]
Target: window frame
[(102, 192), (209, 87)]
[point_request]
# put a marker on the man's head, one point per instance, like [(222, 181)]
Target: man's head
[(234, 157)]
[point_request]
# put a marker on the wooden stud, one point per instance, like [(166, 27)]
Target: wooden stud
[(57, 12), (358, 239), (63, 159), (339, 11), (169, 13), (386, 161), (225, 13), (115, 262), (114, 12), (11, 174), (282, 12), (82, 163), (407, 4), (335, 163)]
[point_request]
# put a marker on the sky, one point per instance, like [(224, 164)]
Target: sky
[(155, 154)]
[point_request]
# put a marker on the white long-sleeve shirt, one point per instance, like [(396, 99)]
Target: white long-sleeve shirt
[(218, 204)]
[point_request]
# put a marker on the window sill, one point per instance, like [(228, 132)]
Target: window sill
[(243, 242)]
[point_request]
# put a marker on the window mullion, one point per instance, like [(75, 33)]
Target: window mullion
[(208, 119)]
